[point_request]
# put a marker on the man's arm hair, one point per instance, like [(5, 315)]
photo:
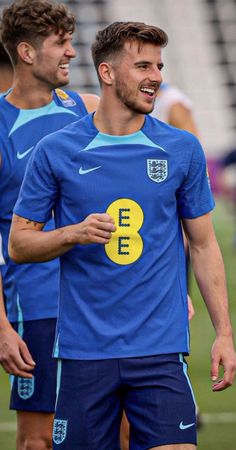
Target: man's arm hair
[(208, 267), (29, 243)]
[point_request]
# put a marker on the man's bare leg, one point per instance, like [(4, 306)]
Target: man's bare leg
[(34, 430), (124, 433)]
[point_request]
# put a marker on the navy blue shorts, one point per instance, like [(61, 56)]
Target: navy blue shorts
[(39, 393), (155, 392)]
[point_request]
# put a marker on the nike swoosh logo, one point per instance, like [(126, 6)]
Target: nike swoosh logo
[(22, 155), (184, 427), (84, 171)]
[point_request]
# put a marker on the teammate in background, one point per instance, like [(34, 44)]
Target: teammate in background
[(38, 38), (6, 70), (123, 182), (6, 75), (174, 107)]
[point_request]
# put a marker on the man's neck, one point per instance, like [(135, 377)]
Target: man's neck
[(117, 119), (29, 94)]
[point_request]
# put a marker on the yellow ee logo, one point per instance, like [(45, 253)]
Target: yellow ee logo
[(126, 244)]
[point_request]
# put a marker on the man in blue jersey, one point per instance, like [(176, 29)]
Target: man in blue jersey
[(37, 36), (120, 187)]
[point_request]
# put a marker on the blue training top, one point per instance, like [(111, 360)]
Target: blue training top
[(128, 298), (31, 290)]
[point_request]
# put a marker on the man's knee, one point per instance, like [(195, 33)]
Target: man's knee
[(31, 443), (34, 431)]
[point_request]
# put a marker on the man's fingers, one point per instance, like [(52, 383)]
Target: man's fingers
[(221, 385), (98, 229), (20, 370), (226, 381), (104, 217), (214, 369), (105, 222), (26, 356), (18, 361)]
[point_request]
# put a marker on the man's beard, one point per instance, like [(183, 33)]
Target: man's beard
[(125, 96)]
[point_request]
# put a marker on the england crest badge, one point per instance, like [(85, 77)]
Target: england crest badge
[(25, 387), (59, 431), (157, 169)]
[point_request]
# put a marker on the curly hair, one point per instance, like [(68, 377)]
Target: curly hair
[(33, 21), (109, 42)]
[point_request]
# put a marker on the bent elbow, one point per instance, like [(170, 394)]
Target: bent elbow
[(15, 255)]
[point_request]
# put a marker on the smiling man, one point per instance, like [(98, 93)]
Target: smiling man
[(123, 182), (38, 38)]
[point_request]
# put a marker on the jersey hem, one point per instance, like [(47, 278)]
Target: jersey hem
[(96, 356)]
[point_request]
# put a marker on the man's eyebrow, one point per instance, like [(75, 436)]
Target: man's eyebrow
[(160, 65)]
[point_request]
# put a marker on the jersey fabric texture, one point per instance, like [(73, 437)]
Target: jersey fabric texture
[(167, 97), (31, 290), (127, 298)]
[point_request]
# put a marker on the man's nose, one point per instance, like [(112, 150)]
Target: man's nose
[(70, 51)]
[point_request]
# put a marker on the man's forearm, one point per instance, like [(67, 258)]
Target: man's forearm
[(209, 271), (38, 246), (29, 244)]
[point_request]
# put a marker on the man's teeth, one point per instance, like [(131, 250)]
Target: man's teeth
[(64, 66), (149, 91)]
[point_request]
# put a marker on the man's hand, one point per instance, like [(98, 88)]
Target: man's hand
[(96, 229), (223, 354), (14, 354), (191, 310)]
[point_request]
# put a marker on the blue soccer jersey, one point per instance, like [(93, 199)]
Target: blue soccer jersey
[(129, 297), (31, 291)]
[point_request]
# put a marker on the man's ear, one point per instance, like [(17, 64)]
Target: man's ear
[(26, 52), (106, 73)]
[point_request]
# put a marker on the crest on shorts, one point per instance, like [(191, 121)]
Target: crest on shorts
[(25, 387), (59, 430), (157, 169)]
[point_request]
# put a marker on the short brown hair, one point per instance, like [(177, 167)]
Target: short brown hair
[(32, 21), (110, 41)]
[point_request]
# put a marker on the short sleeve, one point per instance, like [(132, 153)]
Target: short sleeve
[(39, 189), (194, 197)]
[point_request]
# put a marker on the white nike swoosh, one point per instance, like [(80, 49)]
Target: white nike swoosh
[(84, 171), (22, 155), (184, 427)]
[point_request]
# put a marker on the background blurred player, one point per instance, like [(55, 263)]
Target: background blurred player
[(174, 107), (38, 38), (6, 70)]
